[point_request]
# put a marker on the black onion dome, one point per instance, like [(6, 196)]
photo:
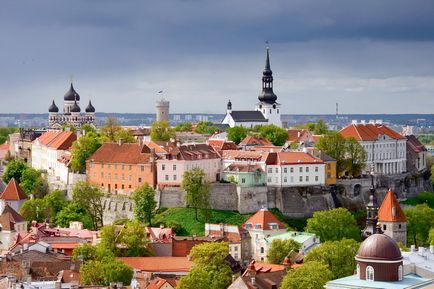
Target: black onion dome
[(75, 107), (53, 107), (90, 107), (71, 94)]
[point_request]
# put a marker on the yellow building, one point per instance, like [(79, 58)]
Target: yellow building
[(330, 165)]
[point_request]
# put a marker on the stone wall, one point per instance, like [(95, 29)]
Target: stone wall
[(116, 208)]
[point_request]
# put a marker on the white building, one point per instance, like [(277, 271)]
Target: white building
[(385, 148), (291, 169), (420, 262), (267, 110), (307, 241), (260, 226), (49, 148)]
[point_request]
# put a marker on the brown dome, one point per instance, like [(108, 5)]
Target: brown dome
[(379, 247)]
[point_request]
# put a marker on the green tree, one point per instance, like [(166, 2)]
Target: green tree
[(310, 275), (355, 157), (161, 131), (73, 212), (34, 210), (14, 169), (109, 238), (55, 202), (193, 182), (333, 225), (334, 145), (206, 127), (96, 272), (82, 149), (5, 132), (133, 238), (431, 236), (237, 133), (89, 197), (86, 252), (32, 182), (69, 127), (186, 126), (276, 135), (320, 127), (210, 269), (420, 219), (109, 130), (87, 128), (337, 255), (145, 204), (279, 249), (125, 136)]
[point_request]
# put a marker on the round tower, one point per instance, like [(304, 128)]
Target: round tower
[(162, 110)]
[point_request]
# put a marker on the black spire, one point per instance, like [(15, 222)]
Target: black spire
[(53, 107), (229, 105), (267, 94), (90, 107), (71, 94), (372, 212), (75, 107)]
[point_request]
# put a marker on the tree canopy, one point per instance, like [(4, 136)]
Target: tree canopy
[(82, 149), (420, 220), (193, 182), (161, 131), (310, 275), (237, 133), (89, 197), (279, 249), (206, 127), (33, 183), (333, 225), (186, 126), (132, 240), (337, 255), (145, 204), (276, 135), (14, 169), (210, 269)]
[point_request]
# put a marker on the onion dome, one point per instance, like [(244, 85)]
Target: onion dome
[(71, 94), (379, 247), (90, 107), (53, 107), (75, 107)]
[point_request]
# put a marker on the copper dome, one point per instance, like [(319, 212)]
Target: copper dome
[(379, 247)]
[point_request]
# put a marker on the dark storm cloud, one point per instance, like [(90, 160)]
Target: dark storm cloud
[(354, 52)]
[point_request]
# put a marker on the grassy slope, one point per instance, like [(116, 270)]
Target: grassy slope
[(422, 198), (190, 226)]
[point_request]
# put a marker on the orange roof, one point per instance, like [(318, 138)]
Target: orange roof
[(127, 153), (264, 218), (369, 132), (153, 145), (159, 282), (13, 192), (285, 158), (390, 210), (158, 264), (245, 155), (255, 141), (59, 140), (64, 245)]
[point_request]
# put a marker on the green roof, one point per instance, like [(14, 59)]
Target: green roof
[(299, 237)]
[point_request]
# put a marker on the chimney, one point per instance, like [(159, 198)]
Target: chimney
[(121, 141)]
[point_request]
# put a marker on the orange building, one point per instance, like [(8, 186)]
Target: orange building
[(122, 168)]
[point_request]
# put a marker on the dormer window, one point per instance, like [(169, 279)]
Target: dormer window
[(257, 226), (248, 226), (273, 226)]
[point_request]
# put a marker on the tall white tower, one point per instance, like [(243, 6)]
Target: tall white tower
[(162, 110)]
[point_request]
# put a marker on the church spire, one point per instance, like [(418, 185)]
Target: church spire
[(372, 211), (267, 94)]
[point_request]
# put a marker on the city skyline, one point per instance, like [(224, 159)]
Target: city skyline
[(370, 57)]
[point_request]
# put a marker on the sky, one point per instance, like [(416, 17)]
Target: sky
[(370, 56)]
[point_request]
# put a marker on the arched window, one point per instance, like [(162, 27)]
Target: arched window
[(369, 273), (400, 272), (358, 270)]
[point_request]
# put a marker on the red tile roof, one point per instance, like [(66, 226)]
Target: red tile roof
[(221, 144), (390, 210), (245, 155), (286, 158), (369, 132), (160, 282), (414, 144), (295, 135), (158, 264), (255, 141), (127, 153), (9, 218), (57, 140), (264, 218), (13, 192), (153, 145), (193, 152)]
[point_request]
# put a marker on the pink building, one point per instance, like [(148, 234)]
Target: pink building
[(171, 166)]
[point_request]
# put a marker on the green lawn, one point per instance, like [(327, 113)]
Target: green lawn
[(189, 226), (422, 198)]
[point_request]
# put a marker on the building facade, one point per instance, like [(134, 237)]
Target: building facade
[(416, 155), (386, 150), (121, 168), (267, 110), (71, 114), (162, 110)]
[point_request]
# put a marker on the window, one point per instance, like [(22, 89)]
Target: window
[(369, 273), (269, 179), (292, 179), (300, 169), (307, 169), (140, 180), (166, 177), (257, 226), (400, 272), (174, 177), (270, 170), (316, 169), (123, 177), (174, 167), (130, 167), (285, 170), (163, 167), (316, 178), (142, 168), (307, 178), (301, 179), (262, 250), (399, 226), (102, 166), (384, 227), (116, 176), (129, 178), (277, 170), (243, 180), (285, 179), (291, 170), (236, 248), (102, 175)]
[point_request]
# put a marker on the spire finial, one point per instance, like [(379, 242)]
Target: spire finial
[(267, 60)]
